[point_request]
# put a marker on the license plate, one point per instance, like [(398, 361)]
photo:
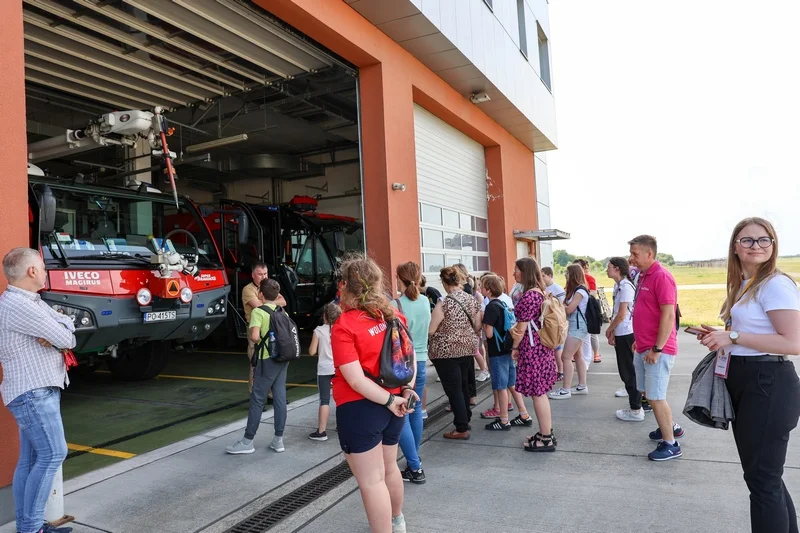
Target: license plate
[(160, 316)]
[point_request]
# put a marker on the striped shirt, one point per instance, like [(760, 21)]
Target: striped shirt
[(27, 365)]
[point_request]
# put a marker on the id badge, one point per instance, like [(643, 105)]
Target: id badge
[(722, 364)]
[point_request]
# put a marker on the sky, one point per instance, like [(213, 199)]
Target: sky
[(677, 119)]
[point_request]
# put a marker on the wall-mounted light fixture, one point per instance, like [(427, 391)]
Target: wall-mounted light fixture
[(399, 187), (479, 98)]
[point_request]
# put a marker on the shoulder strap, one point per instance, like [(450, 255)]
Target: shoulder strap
[(469, 318), (399, 305)]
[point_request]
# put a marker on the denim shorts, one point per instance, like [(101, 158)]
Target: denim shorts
[(577, 326), (363, 424), (324, 386), (504, 373), (653, 380)]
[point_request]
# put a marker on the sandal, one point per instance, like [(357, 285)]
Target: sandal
[(541, 443)]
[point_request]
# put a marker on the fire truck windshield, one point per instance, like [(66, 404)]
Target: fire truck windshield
[(125, 227)]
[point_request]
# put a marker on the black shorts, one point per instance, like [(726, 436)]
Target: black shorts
[(363, 424)]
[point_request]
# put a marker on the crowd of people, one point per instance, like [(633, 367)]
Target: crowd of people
[(476, 322)]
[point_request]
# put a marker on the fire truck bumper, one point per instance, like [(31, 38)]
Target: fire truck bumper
[(101, 321)]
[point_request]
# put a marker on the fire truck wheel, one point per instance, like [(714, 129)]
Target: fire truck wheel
[(140, 363)]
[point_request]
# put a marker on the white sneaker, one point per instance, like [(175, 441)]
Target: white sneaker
[(630, 416), (483, 375), (240, 448), (277, 444), (578, 392), (399, 524), (621, 393), (424, 414), (560, 394)]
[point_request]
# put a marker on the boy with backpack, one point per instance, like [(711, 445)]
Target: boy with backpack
[(276, 343), (498, 320)]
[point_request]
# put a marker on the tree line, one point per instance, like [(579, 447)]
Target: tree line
[(562, 258)]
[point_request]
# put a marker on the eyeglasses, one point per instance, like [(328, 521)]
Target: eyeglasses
[(763, 242)]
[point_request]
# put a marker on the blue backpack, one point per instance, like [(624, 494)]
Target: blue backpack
[(509, 320)]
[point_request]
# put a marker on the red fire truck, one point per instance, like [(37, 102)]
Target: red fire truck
[(134, 282), (301, 248)]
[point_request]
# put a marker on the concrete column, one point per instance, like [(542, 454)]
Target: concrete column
[(387, 137), (13, 199)]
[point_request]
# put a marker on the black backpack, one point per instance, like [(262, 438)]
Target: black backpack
[(594, 315), (397, 360), (281, 340)]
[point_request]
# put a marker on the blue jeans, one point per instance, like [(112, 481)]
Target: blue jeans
[(504, 373), (411, 437), (42, 450)]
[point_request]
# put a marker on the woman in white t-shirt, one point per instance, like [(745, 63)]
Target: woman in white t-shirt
[(576, 301), (620, 336), (762, 313), (321, 343)]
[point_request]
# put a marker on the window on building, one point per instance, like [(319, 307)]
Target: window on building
[(544, 57), (523, 34), (489, 3), (448, 237)]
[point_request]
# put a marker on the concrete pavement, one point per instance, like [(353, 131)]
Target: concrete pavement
[(599, 480)]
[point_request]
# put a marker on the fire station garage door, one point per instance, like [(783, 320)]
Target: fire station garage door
[(453, 211)]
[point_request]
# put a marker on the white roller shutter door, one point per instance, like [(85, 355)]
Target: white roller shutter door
[(451, 182)]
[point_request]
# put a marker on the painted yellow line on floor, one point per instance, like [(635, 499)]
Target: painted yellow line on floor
[(223, 380), (101, 451), (238, 353)]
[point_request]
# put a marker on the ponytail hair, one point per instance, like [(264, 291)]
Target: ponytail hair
[(624, 268), (411, 275), (363, 288)]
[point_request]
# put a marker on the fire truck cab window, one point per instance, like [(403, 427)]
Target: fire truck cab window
[(99, 227)]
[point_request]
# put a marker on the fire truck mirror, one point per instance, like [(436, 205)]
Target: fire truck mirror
[(47, 211), (244, 228)]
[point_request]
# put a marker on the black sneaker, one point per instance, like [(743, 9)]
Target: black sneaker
[(414, 476), (498, 425), (524, 422), (320, 436), (49, 528), (676, 430), (647, 407)]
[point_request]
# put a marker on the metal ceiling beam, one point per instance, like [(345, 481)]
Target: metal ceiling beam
[(159, 33), (246, 25), (129, 64), (33, 50), (209, 31), (101, 86), (72, 88), (257, 17), (121, 36)]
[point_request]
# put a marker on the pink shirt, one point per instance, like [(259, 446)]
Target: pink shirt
[(656, 288)]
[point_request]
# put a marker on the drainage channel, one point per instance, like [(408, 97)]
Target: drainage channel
[(268, 517)]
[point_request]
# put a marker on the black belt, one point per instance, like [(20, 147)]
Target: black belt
[(759, 358)]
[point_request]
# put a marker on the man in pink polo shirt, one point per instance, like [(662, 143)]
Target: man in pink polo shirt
[(655, 341)]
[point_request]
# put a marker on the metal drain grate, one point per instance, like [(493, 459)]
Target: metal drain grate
[(270, 515)]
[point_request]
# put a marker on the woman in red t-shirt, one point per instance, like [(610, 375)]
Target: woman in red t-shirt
[(369, 418)]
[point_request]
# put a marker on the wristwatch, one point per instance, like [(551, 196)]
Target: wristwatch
[(734, 337), (656, 349)]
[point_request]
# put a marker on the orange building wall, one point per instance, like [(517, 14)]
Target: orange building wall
[(13, 184), (391, 80)]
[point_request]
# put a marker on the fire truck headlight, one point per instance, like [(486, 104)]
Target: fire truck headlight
[(80, 317), (186, 295), (143, 297)]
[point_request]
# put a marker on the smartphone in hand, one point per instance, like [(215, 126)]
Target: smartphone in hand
[(695, 331), (412, 401)]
